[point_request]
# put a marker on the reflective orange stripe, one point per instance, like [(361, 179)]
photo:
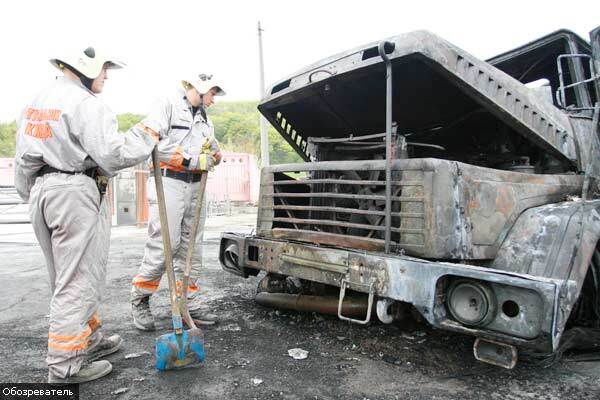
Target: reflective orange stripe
[(94, 322), (149, 131), (68, 347), (76, 338), (191, 287), (69, 343), (144, 284)]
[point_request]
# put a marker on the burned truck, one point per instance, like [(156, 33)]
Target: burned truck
[(437, 183)]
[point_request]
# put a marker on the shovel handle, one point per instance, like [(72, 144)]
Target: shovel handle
[(164, 228), (191, 244)]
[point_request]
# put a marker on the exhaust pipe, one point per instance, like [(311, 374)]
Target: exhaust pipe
[(384, 311), (352, 306), (384, 49)]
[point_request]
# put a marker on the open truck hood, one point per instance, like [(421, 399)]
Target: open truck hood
[(434, 84)]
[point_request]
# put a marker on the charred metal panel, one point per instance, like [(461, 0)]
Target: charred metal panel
[(494, 199), (553, 241), (527, 320), (441, 209), (586, 140), (543, 240), (595, 43)]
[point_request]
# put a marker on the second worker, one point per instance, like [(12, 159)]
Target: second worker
[(188, 147)]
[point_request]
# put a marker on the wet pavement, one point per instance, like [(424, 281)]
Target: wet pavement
[(247, 352)]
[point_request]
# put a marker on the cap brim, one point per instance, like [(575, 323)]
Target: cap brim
[(112, 64), (220, 92), (55, 62), (115, 64)]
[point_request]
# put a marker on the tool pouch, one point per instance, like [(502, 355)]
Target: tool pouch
[(101, 181), (102, 184)]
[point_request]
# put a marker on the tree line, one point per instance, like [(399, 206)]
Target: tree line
[(237, 128)]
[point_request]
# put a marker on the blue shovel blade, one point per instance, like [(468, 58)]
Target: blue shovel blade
[(175, 351)]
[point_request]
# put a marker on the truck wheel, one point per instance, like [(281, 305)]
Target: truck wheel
[(586, 311)]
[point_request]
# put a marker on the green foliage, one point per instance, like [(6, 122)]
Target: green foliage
[(128, 120), (237, 128), (8, 133), (242, 107), (280, 151), (237, 132)]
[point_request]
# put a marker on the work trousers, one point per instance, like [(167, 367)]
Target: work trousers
[(72, 225), (180, 198)]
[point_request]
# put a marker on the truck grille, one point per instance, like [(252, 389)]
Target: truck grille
[(342, 207)]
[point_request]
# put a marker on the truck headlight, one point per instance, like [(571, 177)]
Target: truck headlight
[(471, 302)]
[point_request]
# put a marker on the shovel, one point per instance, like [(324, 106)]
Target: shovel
[(183, 308), (182, 348)]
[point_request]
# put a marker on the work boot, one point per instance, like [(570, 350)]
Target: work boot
[(107, 346), (142, 316), (90, 372), (199, 311), (203, 317)]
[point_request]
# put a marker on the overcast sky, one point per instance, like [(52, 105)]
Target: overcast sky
[(161, 41)]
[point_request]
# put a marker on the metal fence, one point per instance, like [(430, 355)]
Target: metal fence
[(235, 180)]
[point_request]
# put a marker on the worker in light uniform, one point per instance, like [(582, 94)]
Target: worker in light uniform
[(67, 145), (188, 147)]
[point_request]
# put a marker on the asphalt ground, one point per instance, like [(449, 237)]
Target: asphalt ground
[(247, 352)]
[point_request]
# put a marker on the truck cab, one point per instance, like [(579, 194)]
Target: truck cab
[(460, 189)]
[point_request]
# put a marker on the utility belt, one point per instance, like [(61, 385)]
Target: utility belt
[(188, 177), (101, 180)]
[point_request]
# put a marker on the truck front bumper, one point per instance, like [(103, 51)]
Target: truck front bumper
[(524, 308)]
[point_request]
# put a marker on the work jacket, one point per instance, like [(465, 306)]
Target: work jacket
[(68, 128), (183, 130)]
